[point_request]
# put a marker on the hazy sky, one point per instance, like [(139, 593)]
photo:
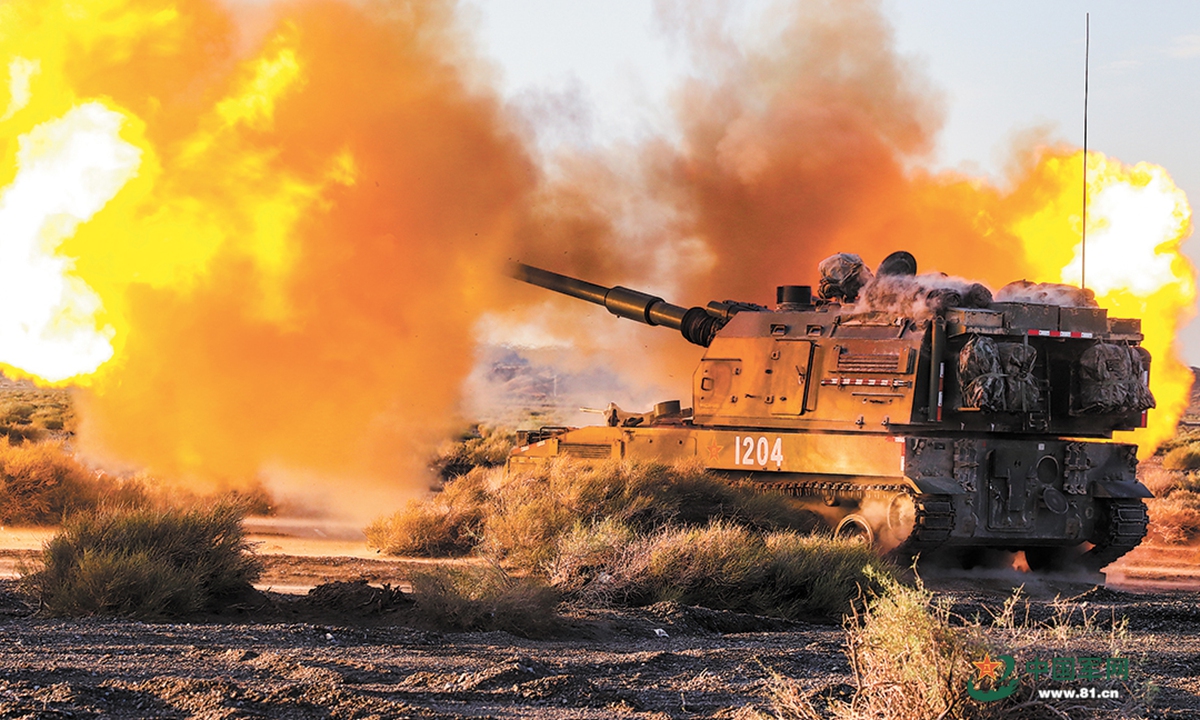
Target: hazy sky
[(1002, 67)]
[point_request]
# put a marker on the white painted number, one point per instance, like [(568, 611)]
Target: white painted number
[(777, 452), (746, 451)]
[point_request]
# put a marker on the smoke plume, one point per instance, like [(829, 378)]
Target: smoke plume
[(813, 139)]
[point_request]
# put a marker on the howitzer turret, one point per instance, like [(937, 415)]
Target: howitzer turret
[(918, 415)]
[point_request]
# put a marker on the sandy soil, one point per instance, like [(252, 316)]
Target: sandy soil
[(293, 656)]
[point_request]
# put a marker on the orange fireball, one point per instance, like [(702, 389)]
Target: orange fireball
[(1137, 220)]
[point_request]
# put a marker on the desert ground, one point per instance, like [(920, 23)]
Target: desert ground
[(329, 634), (347, 649)]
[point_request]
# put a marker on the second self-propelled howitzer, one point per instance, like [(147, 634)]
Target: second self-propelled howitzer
[(915, 411)]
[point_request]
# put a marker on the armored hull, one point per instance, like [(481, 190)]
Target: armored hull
[(942, 428)]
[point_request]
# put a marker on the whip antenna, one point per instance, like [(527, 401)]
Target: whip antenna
[(1087, 39)]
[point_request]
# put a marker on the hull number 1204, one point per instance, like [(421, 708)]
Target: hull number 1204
[(757, 451)]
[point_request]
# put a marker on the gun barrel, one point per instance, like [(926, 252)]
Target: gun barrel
[(619, 301)]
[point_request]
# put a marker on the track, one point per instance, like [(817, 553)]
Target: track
[(1123, 531)]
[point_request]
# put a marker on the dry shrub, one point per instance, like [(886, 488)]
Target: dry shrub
[(1183, 436), (145, 563), (530, 512), (636, 534), (911, 658), (520, 518), (1159, 480), (16, 412), (1184, 458), (481, 446), (1175, 519), (485, 598), (588, 552), (721, 566), (815, 573), (252, 498), (17, 434), (424, 529), (49, 418), (41, 484), (448, 524), (1188, 481), (909, 663), (32, 413)]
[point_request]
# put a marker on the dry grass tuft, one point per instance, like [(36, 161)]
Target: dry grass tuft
[(520, 518), (911, 658), (531, 512), (425, 529), (485, 598), (720, 565), (636, 534), (448, 524), (814, 573), (1183, 436), (1184, 458), (907, 660), (588, 552), (1188, 481), (480, 446), (35, 413), (41, 484), (1157, 479), (145, 563), (1175, 519), (1175, 508)]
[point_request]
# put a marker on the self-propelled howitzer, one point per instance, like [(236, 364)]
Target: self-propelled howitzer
[(940, 421)]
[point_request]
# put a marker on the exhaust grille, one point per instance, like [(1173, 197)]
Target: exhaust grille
[(580, 450), (869, 362)]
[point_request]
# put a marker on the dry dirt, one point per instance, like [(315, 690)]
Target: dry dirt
[(346, 651)]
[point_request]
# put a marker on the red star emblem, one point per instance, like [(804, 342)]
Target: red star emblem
[(988, 668), (714, 450)]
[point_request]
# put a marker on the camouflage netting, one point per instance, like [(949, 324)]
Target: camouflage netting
[(1112, 379), (941, 299), (896, 288), (998, 377), (919, 296), (979, 373), (1021, 392), (842, 276), (1023, 291)]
